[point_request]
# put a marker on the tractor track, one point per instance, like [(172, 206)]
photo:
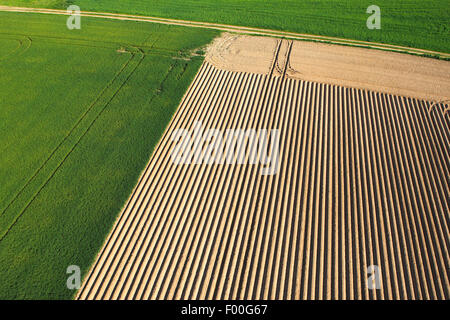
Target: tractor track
[(36, 183)]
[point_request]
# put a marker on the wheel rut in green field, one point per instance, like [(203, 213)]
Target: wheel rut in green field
[(23, 43), (26, 195)]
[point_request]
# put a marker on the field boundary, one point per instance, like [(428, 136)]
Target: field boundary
[(238, 29)]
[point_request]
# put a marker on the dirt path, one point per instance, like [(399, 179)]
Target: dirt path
[(231, 28)]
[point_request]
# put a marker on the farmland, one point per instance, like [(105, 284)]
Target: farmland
[(350, 193), (353, 182), (410, 23), (360, 184), (81, 111)]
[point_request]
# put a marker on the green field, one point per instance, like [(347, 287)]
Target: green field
[(80, 113), (413, 23)]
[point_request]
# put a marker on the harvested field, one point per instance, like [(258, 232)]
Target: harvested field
[(363, 180), (382, 71)]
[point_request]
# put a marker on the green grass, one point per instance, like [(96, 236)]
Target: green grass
[(412, 23), (79, 121)]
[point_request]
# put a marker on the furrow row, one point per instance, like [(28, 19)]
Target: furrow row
[(358, 207)]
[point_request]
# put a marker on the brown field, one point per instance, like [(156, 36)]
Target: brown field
[(375, 70), (363, 180)]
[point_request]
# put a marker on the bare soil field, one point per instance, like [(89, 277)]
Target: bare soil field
[(376, 70), (363, 181)]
